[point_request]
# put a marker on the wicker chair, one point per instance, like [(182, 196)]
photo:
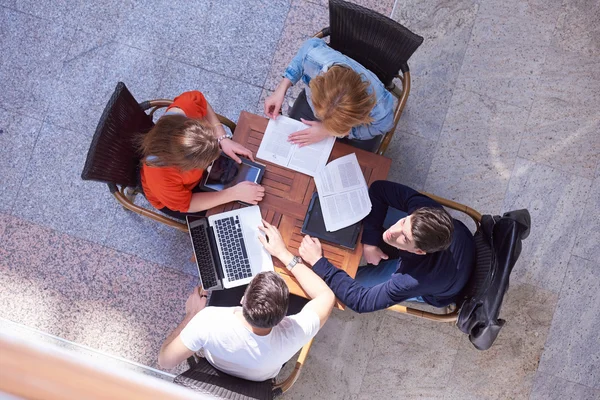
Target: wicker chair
[(204, 378), (380, 44), (113, 158), (497, 248)]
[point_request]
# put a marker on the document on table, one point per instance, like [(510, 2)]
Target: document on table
[(343, 193), (275, 147)]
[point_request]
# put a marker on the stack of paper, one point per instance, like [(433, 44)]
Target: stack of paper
[(343, 193), (276, 149)]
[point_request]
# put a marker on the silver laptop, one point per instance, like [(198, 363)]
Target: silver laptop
[(228, 252)]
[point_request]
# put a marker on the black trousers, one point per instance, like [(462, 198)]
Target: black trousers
[(232, 297), (301, 109)]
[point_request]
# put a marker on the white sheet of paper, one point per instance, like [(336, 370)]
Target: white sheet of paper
[(343, 193), (276, 149)]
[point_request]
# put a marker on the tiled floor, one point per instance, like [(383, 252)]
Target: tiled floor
[(504, 113)]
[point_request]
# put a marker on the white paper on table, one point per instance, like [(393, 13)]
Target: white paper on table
[(276, 149), (343, 193)]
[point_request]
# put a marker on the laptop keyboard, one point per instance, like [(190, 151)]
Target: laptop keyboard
[(233, 249), (203, 259)]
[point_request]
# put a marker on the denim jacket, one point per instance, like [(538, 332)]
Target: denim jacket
[(315, 56)]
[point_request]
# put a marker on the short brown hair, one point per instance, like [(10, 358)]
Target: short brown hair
[(341, 99), (179, 141), (266, 300), (431, 229)]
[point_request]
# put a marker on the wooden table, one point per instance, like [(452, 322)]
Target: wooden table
[(288, 195)]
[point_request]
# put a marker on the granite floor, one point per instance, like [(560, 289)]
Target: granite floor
[(504, 113)]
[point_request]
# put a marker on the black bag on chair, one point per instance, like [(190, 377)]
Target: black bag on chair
[(498, 243)]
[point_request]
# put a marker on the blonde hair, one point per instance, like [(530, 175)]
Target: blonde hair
[(341, 100), (179, 141)]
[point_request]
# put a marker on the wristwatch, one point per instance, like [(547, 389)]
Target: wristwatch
[(225, 136), (293, 263)]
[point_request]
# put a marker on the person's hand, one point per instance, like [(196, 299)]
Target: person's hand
[(196, 302), (273, 103), (248, 192), (373, 254), (273, 241), (310, 250), (313, 134), (233, 149)]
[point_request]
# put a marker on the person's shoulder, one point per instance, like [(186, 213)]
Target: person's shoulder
[(305, 318)]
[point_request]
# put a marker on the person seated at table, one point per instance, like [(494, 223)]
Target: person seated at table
[(424, 256), (343, 98), (252, 341), (177, 150)]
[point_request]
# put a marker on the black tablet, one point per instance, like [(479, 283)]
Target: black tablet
[(314, 226), (224, 172)]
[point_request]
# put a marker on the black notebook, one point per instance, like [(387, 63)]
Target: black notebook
[(315, 226)]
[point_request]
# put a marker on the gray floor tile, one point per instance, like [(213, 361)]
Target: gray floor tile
[(563, 130), (571, 349), (236, 38), (150, 240), (89, 78), (17, 138), (435, 66), (555, 201), (507, 50), (588, 237), (412, 157), (408, 361), (549, 387), (476, 152), (32, 54), (303, 21), (226, 95), (53, 193), (578, 29), (338, 359), (507, 369)]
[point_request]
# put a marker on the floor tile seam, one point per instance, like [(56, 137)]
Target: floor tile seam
[(209, 71), (568, 380), (26, 169), (91, 242), (283, 26), (26, 13)]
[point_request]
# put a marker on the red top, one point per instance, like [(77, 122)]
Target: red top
[(169, 186)]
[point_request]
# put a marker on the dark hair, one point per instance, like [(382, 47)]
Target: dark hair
[(266, 300), (179, 141), (431, 229)]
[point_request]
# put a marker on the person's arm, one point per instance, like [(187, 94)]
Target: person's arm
[(364, 299), (246, 191), (173, 351), (229, 147), (322, 298)]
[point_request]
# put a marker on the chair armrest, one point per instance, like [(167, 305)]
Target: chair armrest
[(323, 33), (293, 377)]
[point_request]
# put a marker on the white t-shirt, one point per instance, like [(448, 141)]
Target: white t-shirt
[(232, 348)]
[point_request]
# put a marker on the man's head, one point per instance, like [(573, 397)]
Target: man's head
[(341, 99), (265, 301), (426, 230)]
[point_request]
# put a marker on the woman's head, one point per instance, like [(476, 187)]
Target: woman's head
[(178, 141), (341, 99)]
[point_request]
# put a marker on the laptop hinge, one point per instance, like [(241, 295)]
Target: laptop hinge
[(215, 252)]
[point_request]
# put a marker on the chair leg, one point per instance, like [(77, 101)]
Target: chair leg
[(130, 193)]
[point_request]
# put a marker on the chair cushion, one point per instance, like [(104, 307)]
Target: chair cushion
[(205, 378)]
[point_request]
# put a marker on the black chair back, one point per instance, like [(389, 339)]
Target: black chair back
[(379, 43), (498, 243), (112, 157), (206, 379)]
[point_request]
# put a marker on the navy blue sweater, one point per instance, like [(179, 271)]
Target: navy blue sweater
[(437, 277)]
